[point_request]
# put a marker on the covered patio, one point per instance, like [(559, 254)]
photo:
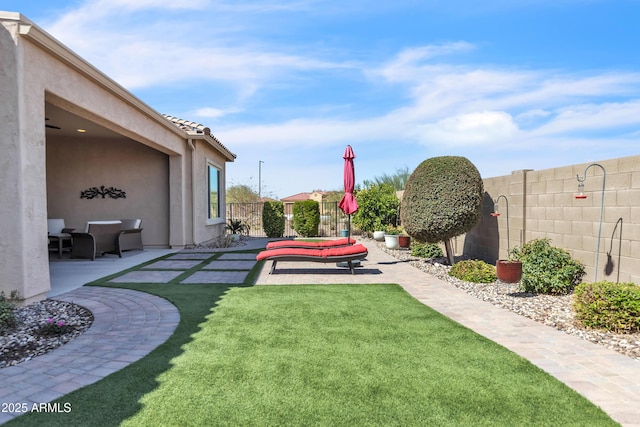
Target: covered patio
[(70, 131)]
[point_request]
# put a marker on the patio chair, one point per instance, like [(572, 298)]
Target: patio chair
[(336, 243), (131, 235), (100, 237), (59, 235), (346, 254)]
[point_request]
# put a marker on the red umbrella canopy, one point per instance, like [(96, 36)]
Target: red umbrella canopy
[(348, 204)]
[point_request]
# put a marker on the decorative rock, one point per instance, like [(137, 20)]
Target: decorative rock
[(30, 337)]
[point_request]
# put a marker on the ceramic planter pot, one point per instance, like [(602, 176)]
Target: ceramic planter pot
[(391, 241), (509, 271), (378, 235), (404, 241)]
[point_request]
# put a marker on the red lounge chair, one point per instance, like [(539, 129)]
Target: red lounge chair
[(310, 245), (346, 254)]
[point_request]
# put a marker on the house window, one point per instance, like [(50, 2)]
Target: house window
[(214, 192)]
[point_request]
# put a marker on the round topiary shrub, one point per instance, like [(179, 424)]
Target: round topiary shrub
[(475, 271), (273, 218), (610, 306), (306, 218), (442, 199), (547, 269)]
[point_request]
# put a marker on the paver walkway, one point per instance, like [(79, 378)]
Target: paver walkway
[(607, 378), (127, 326)]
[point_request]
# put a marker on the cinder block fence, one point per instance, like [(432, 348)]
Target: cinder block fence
[(543, 204)]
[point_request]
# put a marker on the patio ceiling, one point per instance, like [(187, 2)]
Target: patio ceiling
[(63, 123)]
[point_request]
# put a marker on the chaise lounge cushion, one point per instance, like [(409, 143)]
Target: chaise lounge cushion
[(326, 255), (303, 244)]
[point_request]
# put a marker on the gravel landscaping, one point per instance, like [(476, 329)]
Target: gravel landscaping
[(41, 327)]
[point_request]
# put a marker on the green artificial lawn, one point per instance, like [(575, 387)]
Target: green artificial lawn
[(320, 355)]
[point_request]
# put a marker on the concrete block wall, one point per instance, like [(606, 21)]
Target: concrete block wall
[(543, 204)]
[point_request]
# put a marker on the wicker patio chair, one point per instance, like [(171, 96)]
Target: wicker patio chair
[(101, 237), (131, 236)]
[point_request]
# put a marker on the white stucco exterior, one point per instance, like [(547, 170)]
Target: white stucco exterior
[(161, 166)]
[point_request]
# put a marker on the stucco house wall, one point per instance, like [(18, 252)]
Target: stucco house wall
[(155, 160)]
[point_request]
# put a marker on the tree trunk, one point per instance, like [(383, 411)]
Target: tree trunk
[(449, 249)]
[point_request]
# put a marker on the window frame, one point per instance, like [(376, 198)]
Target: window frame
[(213, 166)]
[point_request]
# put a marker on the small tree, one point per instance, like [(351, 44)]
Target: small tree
[(273, 218), (377, 207), (241, 194), (442, 199), (306, 217)]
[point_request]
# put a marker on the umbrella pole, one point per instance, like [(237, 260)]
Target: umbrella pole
[(349, 229)]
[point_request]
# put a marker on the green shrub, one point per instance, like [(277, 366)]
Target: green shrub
[(606, 305), (7, 306), (547, 269), (273, 218), (426, 250), (474, 271), (442, 199), (377, 208), (306, 218)]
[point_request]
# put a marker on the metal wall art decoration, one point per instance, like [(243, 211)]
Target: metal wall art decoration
[(94, 192)]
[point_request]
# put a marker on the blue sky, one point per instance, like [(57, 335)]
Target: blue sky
[(526, 84)]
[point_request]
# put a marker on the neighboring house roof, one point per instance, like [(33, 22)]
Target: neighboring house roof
[(193, 128), (296, 197), (315, 195)]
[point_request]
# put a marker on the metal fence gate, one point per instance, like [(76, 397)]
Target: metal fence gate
[(332, 219)]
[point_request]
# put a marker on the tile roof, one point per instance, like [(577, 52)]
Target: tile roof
[(197, 129), (296, 197)]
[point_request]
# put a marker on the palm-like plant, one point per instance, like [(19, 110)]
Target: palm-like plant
[(235, 226)]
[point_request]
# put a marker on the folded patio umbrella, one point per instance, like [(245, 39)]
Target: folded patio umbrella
[(348, 203)]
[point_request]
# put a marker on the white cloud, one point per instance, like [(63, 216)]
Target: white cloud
[(161, 48), (478, 128), (214, 113), (592, 117)]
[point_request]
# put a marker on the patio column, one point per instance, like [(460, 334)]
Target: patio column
[(24, 262)]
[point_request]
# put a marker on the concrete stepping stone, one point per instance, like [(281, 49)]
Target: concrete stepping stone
[(230, 265), (168, 264), (216, 277), (181, 256), (141, 276)]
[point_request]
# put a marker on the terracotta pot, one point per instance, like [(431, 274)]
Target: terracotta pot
[(509, 271), (404, 241)]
